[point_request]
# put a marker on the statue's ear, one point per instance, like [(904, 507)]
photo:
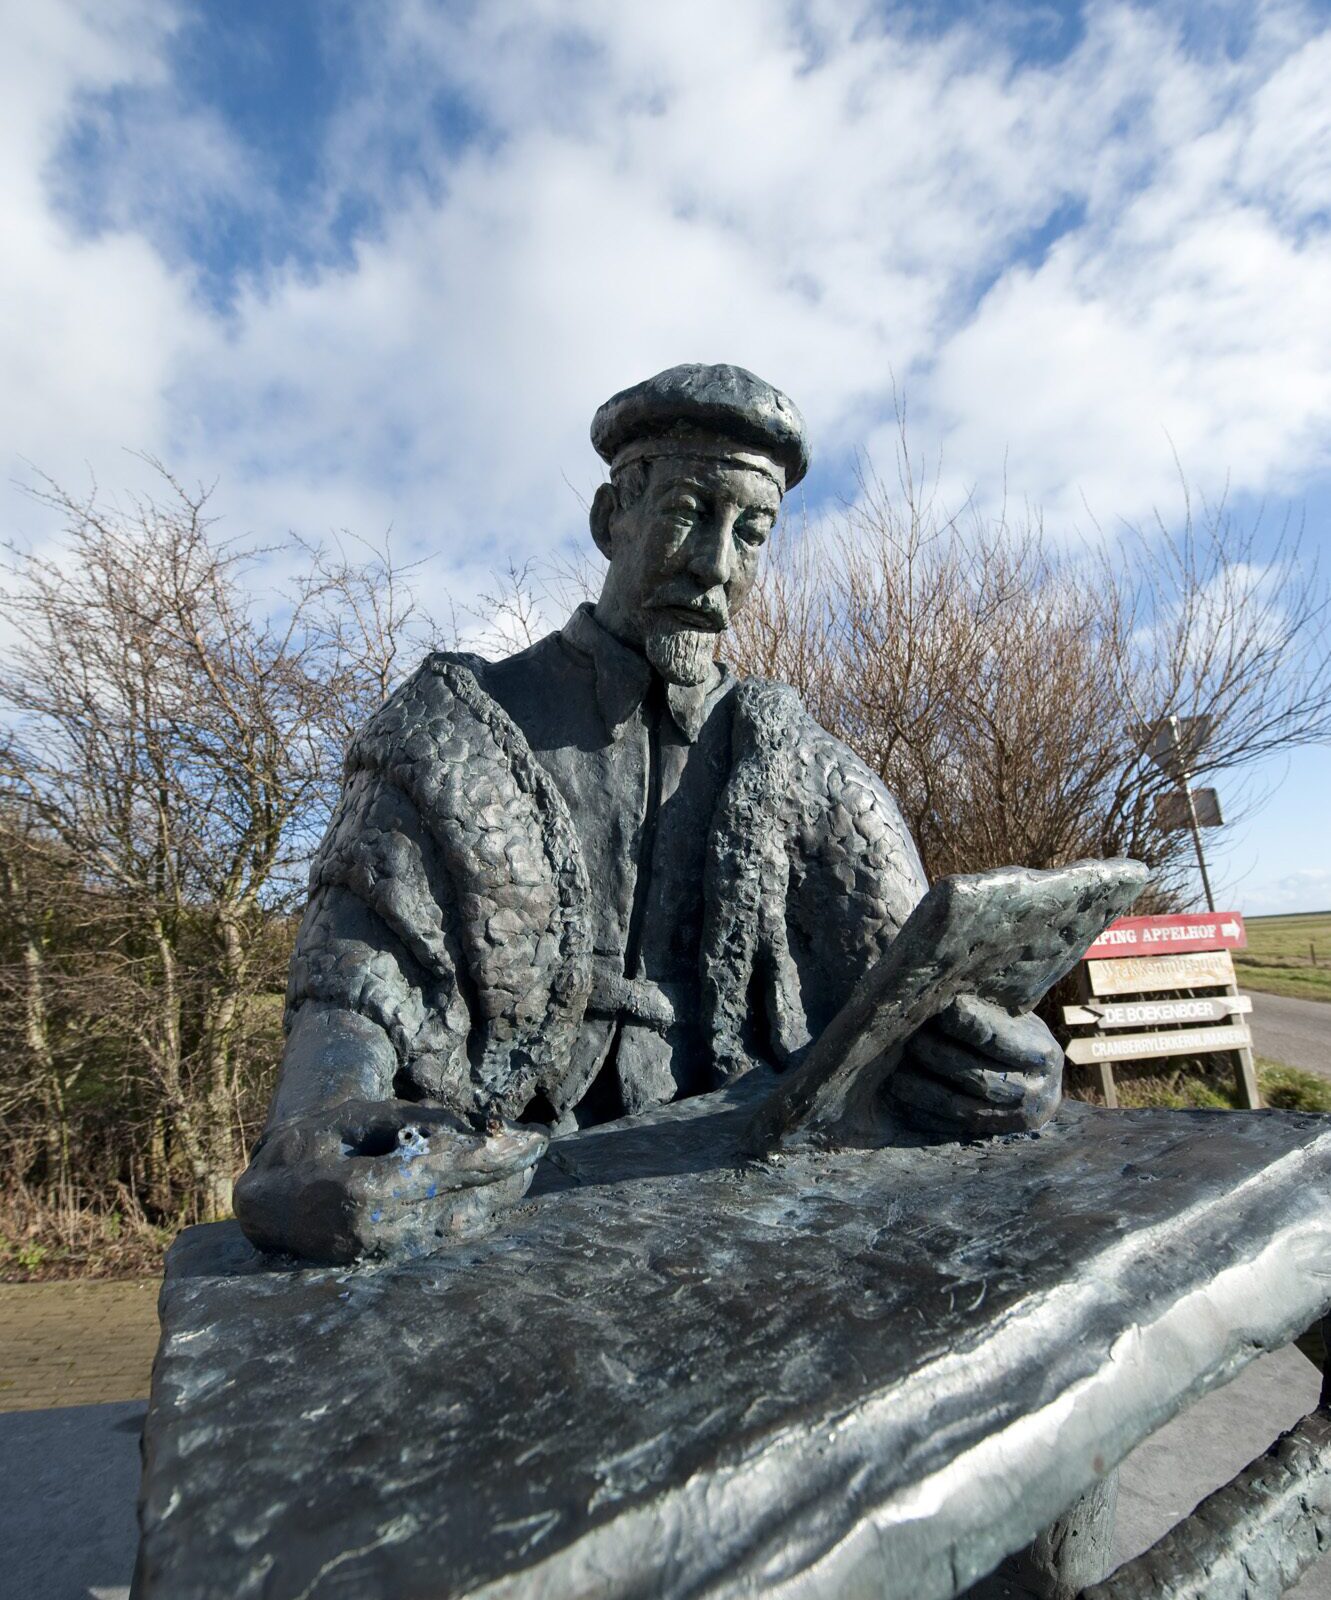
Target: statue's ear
[(603, 508)]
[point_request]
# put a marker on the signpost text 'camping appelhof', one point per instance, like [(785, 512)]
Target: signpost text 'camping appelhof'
[(1173, 935)]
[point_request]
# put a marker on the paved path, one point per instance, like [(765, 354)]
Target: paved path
[(76, 1343), (69, 1480), (1297, 1032), (1206, 1445)]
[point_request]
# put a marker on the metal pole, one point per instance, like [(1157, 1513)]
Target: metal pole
[(1185, 777), (1197, 840)]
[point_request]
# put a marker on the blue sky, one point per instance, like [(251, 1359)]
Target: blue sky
[(374, 264)]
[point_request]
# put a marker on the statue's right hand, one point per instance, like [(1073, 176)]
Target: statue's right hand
[(379, 1179)]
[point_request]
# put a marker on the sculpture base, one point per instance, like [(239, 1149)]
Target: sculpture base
[(673, 1372)]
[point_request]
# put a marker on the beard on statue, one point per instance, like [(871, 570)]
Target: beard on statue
[(684, 656)]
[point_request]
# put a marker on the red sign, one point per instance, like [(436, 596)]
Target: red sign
[(1170, 936)]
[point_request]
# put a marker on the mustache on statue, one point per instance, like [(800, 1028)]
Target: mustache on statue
[(707, 613)]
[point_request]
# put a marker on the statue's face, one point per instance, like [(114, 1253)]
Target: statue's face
[(683, 558)]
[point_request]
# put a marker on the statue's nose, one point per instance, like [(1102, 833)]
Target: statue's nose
[(711, 560)]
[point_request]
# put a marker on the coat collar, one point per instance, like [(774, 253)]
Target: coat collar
[(623, 677)]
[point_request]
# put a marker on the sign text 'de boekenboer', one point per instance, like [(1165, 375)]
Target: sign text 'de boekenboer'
[(1157, 1013)]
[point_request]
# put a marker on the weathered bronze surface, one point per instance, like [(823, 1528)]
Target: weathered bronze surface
[(692, 1219), (605, 874), (672, 1371)]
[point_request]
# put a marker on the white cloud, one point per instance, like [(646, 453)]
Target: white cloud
[(812, 194), (93, 329), (1285, 162), (1309, 890), (1190, 313)]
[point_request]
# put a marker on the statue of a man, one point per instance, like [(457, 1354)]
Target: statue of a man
[(597, 876)]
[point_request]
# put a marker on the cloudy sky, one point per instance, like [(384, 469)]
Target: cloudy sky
[(374, 264)]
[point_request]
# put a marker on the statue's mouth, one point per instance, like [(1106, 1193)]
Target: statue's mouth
[(694, 618)]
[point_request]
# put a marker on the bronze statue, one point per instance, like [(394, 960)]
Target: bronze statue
[(775, 1315), (598, 876)]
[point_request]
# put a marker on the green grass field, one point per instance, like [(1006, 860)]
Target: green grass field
[(1280, 956), (1205, 1086)]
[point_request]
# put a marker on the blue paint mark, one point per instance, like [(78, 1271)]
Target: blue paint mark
[(411, 1143)]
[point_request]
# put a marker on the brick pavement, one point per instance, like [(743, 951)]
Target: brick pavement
[(76, 1343)]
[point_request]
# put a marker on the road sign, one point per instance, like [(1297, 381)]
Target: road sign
[(1156, 1013), (1171, 810), (1212, 969), (1146, 956), (1174, 743), (1172, 935), (1140, 1046)]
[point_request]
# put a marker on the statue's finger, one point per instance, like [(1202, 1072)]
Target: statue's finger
[(918, 1092), (962, 1070), (1021, 1043), (487, 1156), (970, 1019), (375, 1127), (427, 1160)]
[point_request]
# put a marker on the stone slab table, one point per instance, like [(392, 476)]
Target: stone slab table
[(677, 1372)]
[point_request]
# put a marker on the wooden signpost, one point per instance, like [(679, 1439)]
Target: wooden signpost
[(1148, 1013), (1171, 979), (1183, 1042), (1150, 974), (1158, 936)]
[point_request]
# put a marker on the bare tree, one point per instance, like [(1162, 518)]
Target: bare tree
[(1000, 681), (33, 884), (179, 746)]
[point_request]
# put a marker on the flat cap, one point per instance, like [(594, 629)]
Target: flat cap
[(729, 403)]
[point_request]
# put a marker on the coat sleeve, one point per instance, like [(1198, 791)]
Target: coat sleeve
[(810, 875), (446, 943), (376, 945), (854, 877)]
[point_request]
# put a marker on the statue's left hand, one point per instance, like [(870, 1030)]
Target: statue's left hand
[(368, 1179), (976, 1069)]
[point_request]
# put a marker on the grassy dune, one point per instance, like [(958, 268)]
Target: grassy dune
[(1288, 955)]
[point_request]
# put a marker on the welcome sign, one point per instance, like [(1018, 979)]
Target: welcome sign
[(1172, 935)]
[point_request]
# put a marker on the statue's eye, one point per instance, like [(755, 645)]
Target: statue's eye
[(753, 532), (684, 512)]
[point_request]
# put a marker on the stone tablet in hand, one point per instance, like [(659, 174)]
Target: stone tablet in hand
[(1005, 937)]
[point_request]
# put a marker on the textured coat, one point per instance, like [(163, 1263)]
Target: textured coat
[(448, 903)]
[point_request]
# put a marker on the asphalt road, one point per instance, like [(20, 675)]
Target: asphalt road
[(1297, 1032)]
